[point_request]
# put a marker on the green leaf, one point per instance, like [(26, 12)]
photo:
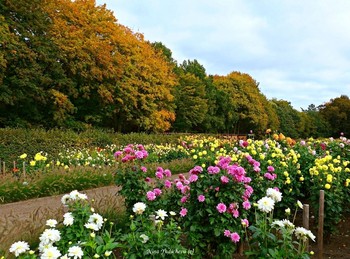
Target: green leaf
[(217, 232), (99, 240), (133, 227), (193, 228), (111, 246)]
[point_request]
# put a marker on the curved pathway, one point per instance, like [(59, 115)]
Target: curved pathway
[(19, 220)]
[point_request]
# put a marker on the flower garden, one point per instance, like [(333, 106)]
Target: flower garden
[(235, 197)]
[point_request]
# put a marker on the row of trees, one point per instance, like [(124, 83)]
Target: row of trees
[(71, 64)]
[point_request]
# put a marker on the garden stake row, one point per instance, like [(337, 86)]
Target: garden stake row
[(15, 169), (320, 225)]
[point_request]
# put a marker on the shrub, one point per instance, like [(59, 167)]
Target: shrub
[(57, 181), (214, 202)]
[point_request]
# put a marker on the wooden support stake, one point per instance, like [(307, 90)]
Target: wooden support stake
[(0, 166), (240, 248), (24, 170), (306, 225), (320, 225), (3, 167)]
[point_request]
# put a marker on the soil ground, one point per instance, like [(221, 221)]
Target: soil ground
[(336, 245), (20, 219)]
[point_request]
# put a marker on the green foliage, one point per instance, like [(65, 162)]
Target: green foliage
[(204, 223), (159, 46), (153, 237), (252, 104), (69, 69), (194, 68), (73, 70), (4, 38), (55, 182), (15, 142), (271, 238), (316, 124), (31, 65), (176, 166), (213, 121), (145, 138), (337, 113), (288, 116), (191, 105), (241, 104), (131, 175)]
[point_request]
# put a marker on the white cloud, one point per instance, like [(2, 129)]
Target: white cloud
[(298, 50)]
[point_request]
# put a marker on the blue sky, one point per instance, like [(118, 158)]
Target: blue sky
[(297, 50)]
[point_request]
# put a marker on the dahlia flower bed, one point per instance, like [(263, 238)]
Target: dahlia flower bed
[(247, 192), (97, 157)]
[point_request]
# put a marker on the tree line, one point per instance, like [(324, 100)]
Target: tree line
[(70, 64)]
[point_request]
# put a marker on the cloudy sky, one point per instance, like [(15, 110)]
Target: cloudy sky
[(297, 50)]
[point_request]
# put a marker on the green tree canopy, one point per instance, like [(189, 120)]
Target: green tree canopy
[(28, 63), (191, 105), (245, 107), (190, 96), (71, 64), (289, 117), (337, 113)]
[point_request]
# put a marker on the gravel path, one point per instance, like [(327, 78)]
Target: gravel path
[(23, 209), (19, 220)]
